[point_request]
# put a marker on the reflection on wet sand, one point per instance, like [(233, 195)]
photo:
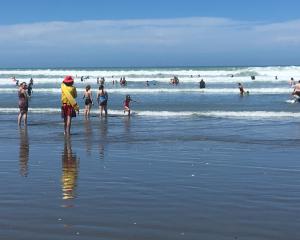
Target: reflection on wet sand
[(127, 125), (69, 171), (103, 136), (88, 136), (24, 152)]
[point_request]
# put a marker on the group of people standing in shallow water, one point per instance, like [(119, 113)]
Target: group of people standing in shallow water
[(102, 98), (292, 82), (70, 108)]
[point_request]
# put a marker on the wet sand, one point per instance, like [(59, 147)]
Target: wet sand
[(137, 178)]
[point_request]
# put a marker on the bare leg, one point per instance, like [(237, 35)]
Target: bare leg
[(89, 110), (127, 109), (86, 111), (69, 121), (65, 125), (101, 110), (25, 119), (105, 110), (20, 118)]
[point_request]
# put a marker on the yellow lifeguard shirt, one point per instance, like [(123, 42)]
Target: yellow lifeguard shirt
[(72, 91)]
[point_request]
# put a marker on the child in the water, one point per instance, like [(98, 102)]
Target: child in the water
[(242, 90), (127, 104)]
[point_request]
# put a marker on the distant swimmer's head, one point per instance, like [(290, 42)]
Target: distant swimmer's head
[(88, 87), (101, 87), (128, 97), (239, 84), (68, 80)]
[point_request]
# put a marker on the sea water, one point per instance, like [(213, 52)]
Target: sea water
[(189, 163)]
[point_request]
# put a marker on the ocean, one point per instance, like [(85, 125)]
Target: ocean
[(189, 163)]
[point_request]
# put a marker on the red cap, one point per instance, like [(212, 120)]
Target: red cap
[(68, 79)]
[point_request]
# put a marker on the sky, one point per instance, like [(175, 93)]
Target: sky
[(133, 33)]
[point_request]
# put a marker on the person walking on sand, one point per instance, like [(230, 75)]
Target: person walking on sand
[(69, 104), (88, 102), (23, 103), (102, 98)]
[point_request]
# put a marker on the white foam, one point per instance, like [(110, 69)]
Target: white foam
[(251, 114), (223, 114), (266, 115), (31, 110), (292, 101), (211, 75), (161, 74), (175, 90)]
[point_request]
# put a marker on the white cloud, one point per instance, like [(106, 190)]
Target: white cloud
[(163, 41)]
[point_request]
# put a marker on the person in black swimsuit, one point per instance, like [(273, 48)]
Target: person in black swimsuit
[(88, 102)]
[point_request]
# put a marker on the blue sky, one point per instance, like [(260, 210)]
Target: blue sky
[(66, 33)]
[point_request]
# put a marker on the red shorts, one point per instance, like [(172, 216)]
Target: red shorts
[(67, 110)]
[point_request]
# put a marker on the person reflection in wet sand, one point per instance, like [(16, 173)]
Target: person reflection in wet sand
[(69, 171), (88, 136), (24, 152), (127, 126), (103, 137)]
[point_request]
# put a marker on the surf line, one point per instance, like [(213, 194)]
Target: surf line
[(170, 114)]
